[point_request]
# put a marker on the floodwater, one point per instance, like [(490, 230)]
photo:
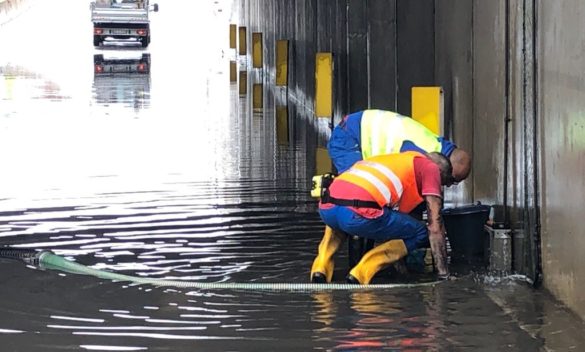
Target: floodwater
[(169, 173)]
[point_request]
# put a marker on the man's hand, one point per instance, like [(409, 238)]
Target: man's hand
[(437, 234), (446, 277)]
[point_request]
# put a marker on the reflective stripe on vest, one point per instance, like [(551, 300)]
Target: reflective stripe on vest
[(389, 179), (390, 175), (384, 132), (385, 186), (383, 196)]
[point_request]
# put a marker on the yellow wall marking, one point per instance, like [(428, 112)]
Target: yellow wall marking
[(233, 71), (233, 30), (243, 82), (324, 85), (282, 62), (242, 36), (427, 108), (257, 98), (257, 50), (323, 161), (282, 125)]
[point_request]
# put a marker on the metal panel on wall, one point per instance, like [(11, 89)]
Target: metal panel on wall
[(416, 48), (357, 43), (382, 54), (454, 73), (489, 97)]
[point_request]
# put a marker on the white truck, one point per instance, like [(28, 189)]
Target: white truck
[(123, 21)]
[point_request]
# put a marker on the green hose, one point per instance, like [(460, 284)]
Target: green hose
[(49, 260)]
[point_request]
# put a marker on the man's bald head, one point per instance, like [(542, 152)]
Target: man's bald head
[(461, 162)]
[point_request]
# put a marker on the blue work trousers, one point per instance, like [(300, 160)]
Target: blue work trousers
[(391, 225)]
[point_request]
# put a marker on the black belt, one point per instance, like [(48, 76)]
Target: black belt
[(356, 203)]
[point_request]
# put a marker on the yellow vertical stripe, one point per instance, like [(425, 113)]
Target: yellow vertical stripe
[(323, 161), (257, 97), (243, 83), (282, 124), (282, 62), (233, 30), (324, 85), (233, 72), (243, 43), (257, 54), (427, 108)]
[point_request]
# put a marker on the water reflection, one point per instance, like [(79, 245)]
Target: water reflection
[(122, 77), (378, 320), (17, 81)]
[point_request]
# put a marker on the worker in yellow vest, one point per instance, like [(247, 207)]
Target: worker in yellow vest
[(375, 132), (369, 133), (372, 200)]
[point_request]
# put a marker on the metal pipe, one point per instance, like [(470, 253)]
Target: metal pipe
[(507, 108), (536, 188)]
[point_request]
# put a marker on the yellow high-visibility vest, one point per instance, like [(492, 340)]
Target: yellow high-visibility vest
[(383, 132)]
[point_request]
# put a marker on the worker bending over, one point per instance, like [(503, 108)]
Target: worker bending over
[(375, 132), (372, 200), (368, 133)]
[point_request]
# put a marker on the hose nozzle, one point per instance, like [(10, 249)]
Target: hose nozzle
[(29, 256)]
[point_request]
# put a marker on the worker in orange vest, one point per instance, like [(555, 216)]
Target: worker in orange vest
[(373, 199)]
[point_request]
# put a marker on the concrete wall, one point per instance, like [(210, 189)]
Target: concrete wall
[(528, 131), (561, 93)]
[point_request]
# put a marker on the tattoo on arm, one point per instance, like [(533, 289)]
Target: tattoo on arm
[(436, 234), (432, 219)]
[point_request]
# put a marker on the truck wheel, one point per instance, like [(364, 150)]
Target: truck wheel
[(96, 40), (144, 41)]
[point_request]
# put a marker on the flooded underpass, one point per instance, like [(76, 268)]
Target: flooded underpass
[(170, 173)]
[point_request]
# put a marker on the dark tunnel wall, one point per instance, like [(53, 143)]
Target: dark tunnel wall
[(383, 58), (454, 72), (371, 42), (415, 49)]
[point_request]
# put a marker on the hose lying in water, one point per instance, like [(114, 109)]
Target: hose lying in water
[(49, 260)]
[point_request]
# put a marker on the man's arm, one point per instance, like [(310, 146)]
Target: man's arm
[(437, 234)]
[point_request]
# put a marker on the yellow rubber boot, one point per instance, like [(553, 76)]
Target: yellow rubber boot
[(322, 269), (376, 259)]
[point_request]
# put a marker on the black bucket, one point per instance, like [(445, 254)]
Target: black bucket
[(466, 233)]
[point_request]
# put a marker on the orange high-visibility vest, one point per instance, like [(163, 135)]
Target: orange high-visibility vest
[(389, 179)]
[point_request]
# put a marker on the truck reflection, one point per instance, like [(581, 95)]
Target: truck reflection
[(122, 78)]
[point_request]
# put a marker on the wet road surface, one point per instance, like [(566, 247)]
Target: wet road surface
[(168, 173)]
